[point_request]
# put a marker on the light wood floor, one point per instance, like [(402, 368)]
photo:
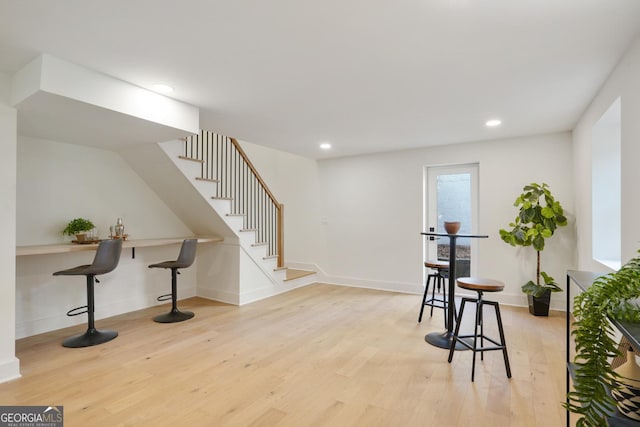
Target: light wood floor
[(321, 355)]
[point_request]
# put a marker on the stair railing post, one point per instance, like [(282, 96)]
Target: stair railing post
[(280, 235)]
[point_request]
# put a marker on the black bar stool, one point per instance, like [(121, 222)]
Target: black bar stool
[(185, 259), (441, 272), (106, 260), (480, 285)]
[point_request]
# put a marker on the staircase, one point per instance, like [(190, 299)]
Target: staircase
[(232, 178), (211, 186)]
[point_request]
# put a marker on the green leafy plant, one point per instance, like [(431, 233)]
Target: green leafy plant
[(540, 214), (77, 226), (610, 296)]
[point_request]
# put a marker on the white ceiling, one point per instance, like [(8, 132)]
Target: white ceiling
[(367, 75)]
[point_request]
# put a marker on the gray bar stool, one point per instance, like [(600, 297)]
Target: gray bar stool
[(105, 261), (480, 285), (185, 259), (441, 272)]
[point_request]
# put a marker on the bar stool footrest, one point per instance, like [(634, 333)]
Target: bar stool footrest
[(469, 342), (74, 312), (435, 302), (165, 297)]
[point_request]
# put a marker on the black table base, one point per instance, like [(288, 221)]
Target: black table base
[(443, 340)]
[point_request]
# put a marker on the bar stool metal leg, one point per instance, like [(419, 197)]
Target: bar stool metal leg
[(92, 336), (478, 335), (174, 315), (438, 280), (424, 299), (496, 306), (480, 285), (456, 332)]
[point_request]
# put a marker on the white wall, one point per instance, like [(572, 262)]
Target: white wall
[(374, 206), (58, 182), (623, 82), (9, 365), (294, 181)]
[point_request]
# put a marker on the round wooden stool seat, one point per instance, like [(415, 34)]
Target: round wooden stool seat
[(437, 264), (480, 284)]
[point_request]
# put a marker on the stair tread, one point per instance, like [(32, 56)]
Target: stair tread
[(293, 274), (260, 244), (206, 179), (221, 198), (191, 159)]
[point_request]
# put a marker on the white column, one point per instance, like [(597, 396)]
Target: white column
[(9, 364)]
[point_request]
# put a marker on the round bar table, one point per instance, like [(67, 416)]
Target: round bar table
[(443, 340)]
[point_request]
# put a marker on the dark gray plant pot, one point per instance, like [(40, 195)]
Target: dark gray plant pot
[(539, 306)]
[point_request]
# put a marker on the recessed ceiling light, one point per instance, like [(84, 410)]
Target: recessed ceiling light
[(162, 88), (493, 123), (325, 146)]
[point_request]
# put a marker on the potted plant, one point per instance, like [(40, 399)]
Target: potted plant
[(78, 227), (610, 296), (540, 214)]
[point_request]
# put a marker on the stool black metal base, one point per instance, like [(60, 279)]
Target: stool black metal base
[(470, 341), (174, 316), (89, 338), (438, 279)]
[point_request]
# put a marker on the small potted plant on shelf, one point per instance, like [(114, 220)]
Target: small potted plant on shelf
[(538, 218), (611, 296), (78, 227)]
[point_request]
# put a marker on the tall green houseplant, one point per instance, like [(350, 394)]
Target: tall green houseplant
[(539, 215)]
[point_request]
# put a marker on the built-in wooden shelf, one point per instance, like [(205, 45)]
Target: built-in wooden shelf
[(57, 248)]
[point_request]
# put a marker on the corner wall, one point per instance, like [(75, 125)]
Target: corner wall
[(625, 83), (58, 182), (295, 182)]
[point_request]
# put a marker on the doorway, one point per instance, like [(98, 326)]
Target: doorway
[(451, 194)]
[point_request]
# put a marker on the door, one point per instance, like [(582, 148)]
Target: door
[(451, 195)]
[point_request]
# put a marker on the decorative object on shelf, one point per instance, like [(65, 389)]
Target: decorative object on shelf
[(627, 394), (611, 296), (79, 228), (119, 229), (452, 227), (535, 223)]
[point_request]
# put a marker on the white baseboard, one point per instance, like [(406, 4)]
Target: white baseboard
[(10, 370), (558, 302)]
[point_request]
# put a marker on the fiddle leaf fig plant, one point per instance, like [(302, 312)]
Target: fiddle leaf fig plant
[(77, 226), (536, 290), (539, 215), (611, 296)]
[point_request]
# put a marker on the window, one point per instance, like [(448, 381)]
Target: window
[(606, 188)]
